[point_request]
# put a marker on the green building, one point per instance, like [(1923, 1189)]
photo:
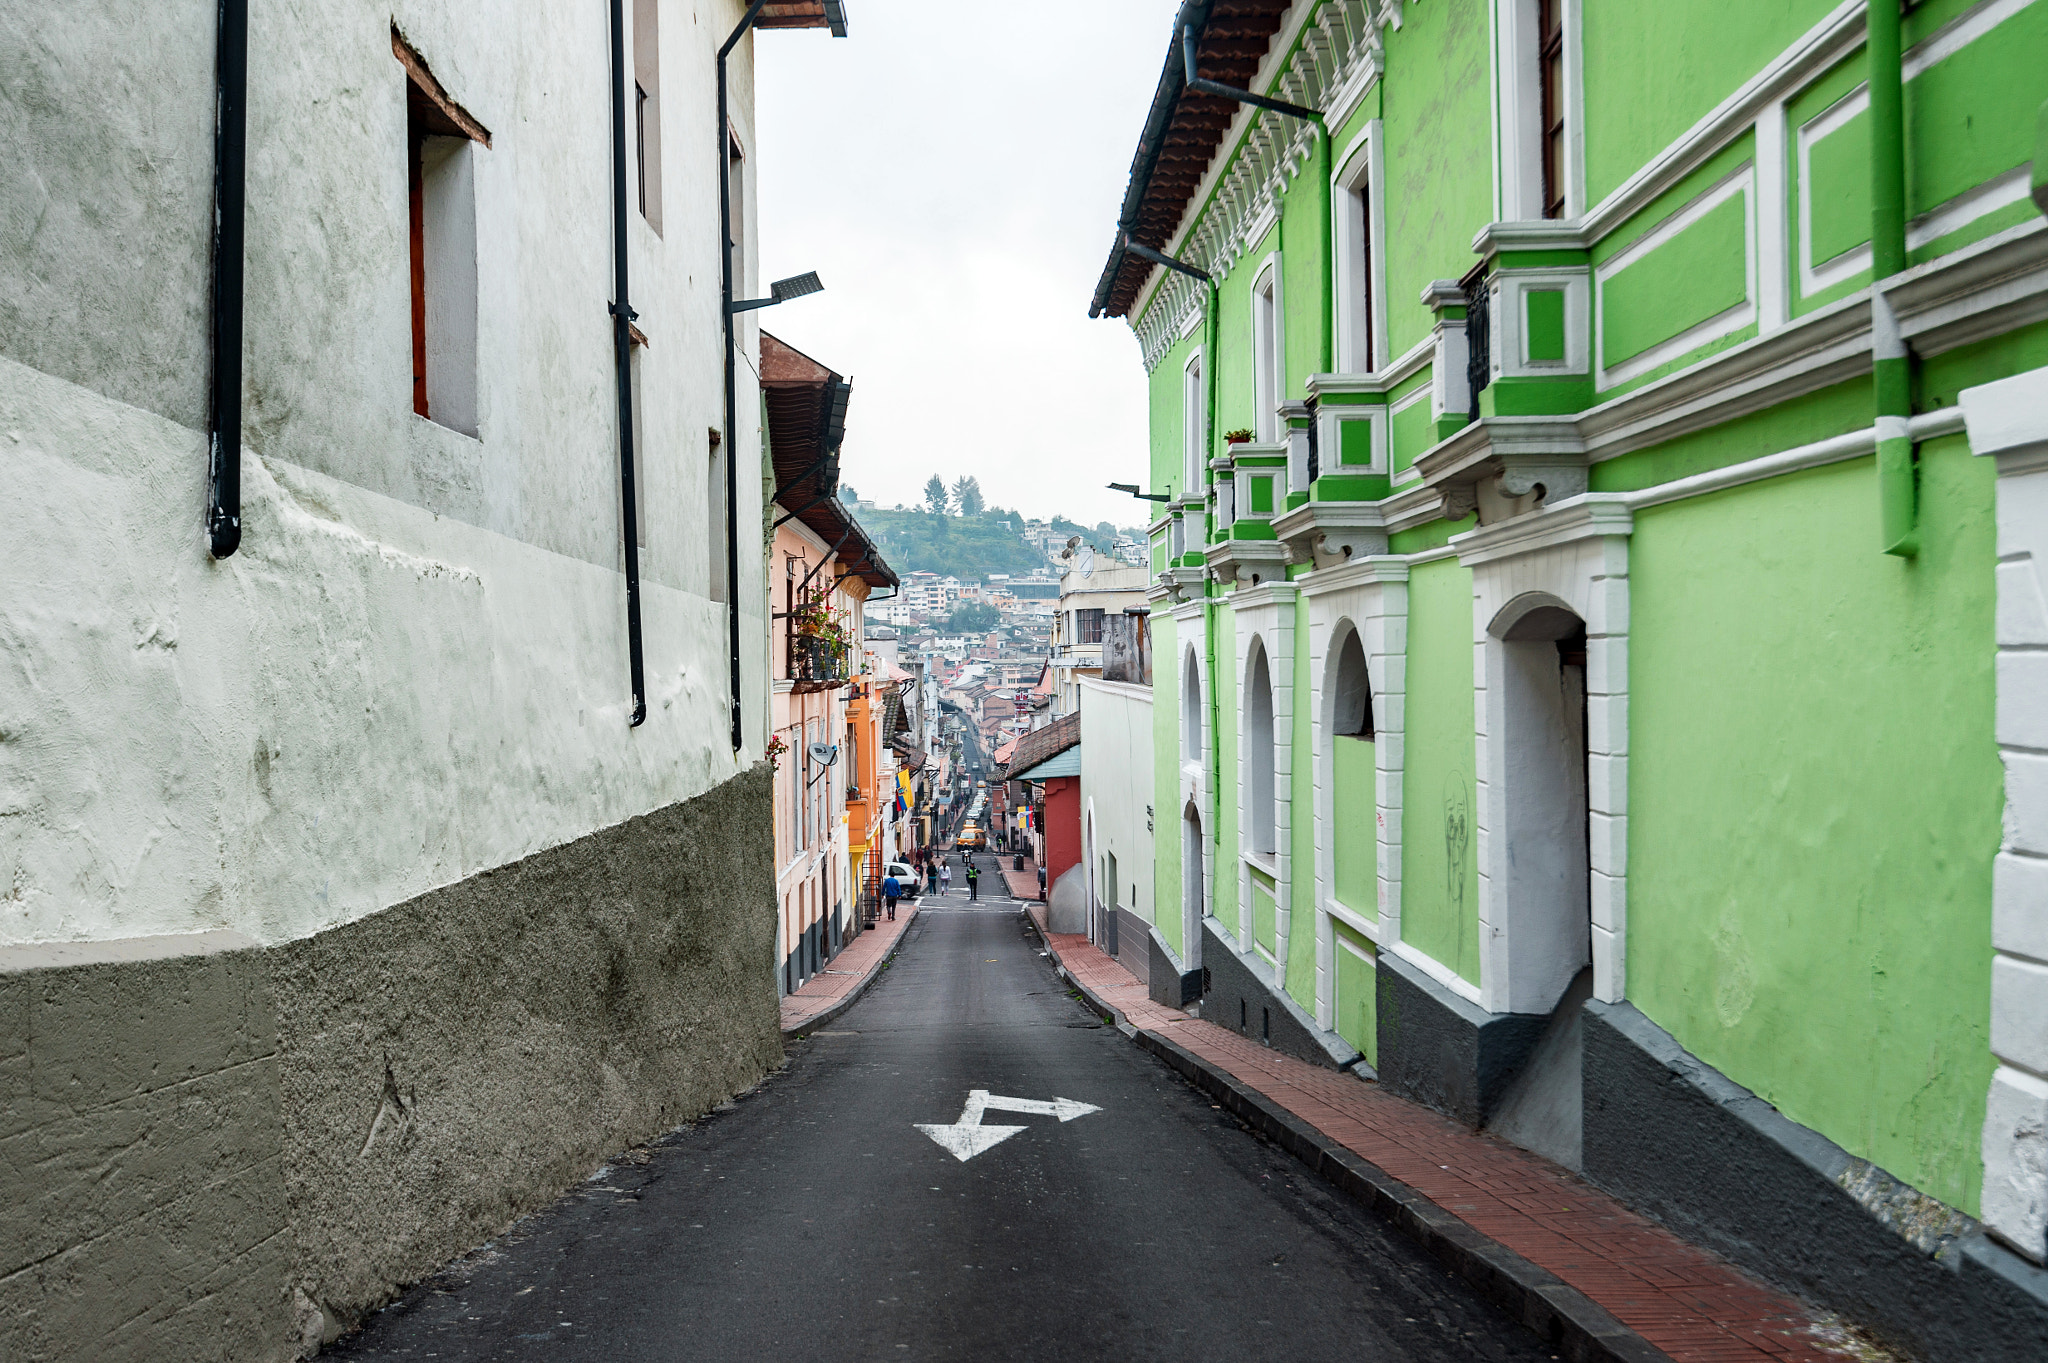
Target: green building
[(1602, 660)]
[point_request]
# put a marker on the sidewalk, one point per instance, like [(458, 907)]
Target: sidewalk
[(1572, 1262), (1023, 884), (833, 990)]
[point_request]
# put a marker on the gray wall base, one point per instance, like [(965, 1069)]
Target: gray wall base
[(1134, 945), (1241, 996), (1443, 1051), (224, 1151), (1682, 1142), (1167, 982)]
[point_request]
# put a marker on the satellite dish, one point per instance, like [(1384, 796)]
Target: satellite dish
[(824, 754), (1087, 560)]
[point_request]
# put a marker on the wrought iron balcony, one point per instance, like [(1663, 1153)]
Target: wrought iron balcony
[(816, 663)]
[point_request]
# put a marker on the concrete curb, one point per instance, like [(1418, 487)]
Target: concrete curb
[(850, 997), (1574, 1325)]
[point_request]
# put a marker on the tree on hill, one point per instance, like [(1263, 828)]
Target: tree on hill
[(967, 496), (935, 495), (973, 617)]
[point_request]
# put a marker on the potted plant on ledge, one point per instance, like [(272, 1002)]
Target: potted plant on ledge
[(821, 642)]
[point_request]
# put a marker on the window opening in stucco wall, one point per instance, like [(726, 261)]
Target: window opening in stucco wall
[(1550, 66), (441, 143), (647, 107)]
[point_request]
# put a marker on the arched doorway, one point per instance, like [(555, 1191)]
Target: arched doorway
[(1258, 756), (1546, 902), (1544, 906)]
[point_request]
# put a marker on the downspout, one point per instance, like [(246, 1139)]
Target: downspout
[(732, 463), (1329, 258), (622, 348), (1891, 363), (230, 147)]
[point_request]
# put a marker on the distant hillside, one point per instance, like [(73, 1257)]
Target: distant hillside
[(966, 547), (951, 546)]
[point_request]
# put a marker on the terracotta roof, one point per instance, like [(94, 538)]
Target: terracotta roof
[(1040, 744), (1181, 134), (800, 395)]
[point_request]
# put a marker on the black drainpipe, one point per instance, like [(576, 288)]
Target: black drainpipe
[(732, 461), (622, 346), (224, 453)]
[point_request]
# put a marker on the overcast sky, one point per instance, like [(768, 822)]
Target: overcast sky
[(953, 173)]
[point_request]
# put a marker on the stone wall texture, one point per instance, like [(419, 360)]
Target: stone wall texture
[(214, 1150)]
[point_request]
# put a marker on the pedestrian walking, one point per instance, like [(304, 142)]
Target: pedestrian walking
[(931, 873), (946, 877), (892, 889), (1041, 882), (973, 879)]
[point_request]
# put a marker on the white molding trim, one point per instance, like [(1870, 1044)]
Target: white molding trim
[(1509, 311), (1527, 942), (1518, 157), (1261, 152), (1740, 181), (1353, 239), (1773, 249), (2008, 420), (1330, 420), (1268, 275), (1436, 970)]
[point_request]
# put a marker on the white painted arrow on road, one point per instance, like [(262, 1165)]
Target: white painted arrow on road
[(967, 1137)]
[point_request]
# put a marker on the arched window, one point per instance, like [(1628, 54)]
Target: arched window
[(1351, 703), (1258, 758), (1191, 712)]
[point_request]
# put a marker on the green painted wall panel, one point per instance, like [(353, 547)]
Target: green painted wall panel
[(1439, 861), (1815, 801), (1544, 324), (1265, 919), (1352, 840), (1354, 443), (1971, 116), (1693, 276), (1356, 1008), (1410, 433), (1439, 135), (1652, 71), (1839, 190), (1817, 416), (1434, 535), (1304, 277)]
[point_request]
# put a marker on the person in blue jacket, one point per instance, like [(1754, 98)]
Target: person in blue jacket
[(892, 890)]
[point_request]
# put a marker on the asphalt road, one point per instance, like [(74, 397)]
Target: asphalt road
[(813, 1219)]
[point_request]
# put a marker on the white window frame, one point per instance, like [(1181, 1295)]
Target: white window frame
[(1360, 239), (1518, 160), (1269, 350), (1194, 415)]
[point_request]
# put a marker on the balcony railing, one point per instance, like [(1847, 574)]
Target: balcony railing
[(816, 663)]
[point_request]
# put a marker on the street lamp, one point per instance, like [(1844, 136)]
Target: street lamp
[(781, 291)]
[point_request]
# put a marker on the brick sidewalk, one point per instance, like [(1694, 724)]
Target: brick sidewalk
[(846, 974), (1023, 884), (1692, 1305)]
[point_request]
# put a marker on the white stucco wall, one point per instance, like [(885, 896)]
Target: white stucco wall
[(415, 667), (1116, 785), (364, 703)]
